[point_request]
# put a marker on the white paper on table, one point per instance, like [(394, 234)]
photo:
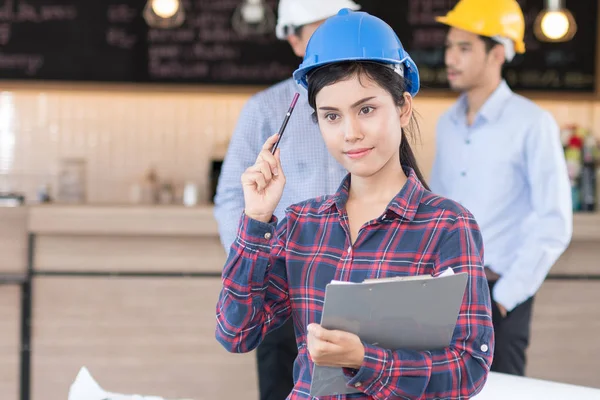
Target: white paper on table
[(86, 388)]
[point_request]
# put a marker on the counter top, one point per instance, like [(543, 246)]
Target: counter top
[(178, 221), (123, 220), (13, 241), (586, 226)]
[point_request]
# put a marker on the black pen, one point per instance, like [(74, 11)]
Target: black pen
[(285, 121)]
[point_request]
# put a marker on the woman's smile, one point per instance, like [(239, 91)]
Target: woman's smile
[(358, 153)]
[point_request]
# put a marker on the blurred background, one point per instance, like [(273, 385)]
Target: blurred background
[(115, 117)]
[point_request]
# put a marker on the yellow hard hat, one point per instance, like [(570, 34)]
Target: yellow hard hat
[(489, 18)]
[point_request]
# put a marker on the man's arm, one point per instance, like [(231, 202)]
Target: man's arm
[(552, 225), (245, 144)]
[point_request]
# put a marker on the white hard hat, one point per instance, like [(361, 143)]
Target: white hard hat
[(294, 13)]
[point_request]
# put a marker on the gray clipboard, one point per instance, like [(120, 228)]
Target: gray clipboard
[(415, 313)]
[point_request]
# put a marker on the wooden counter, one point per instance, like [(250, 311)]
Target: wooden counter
[(130, 293), (10, 302), (13, 240), (168, 239), (136, 335), (564, 333), (582, 257), (586, 227), (13, 266), (123, 220), (179, 221), (165, 238)]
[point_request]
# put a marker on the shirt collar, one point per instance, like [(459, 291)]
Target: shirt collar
[(403, 205), (490, 110)]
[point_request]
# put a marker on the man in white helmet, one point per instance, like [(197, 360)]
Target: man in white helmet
[(310, 170)]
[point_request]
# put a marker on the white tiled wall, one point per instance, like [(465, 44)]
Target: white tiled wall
[(122, 133)]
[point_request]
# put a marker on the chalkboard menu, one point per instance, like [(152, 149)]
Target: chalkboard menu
[(568, 66), (109, 41)]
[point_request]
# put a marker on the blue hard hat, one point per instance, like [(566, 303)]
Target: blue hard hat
[(357, 36)]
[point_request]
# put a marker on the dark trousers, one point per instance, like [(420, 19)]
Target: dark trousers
[(275, 357), (512, 337)]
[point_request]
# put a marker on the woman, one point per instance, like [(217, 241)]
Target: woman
[(382, 221)]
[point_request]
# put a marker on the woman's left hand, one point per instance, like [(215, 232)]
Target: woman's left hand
[(331, 348)]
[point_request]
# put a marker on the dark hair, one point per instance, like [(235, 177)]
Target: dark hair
[(386, 78), (489, 43)]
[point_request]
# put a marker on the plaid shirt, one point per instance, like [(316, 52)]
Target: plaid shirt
[(274, 272)]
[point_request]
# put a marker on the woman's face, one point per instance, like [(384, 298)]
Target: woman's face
[(361, 125)]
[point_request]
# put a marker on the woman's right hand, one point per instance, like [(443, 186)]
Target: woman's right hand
[(263, 183)]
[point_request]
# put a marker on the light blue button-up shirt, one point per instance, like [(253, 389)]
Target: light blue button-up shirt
[(309, 169), (508, 169)]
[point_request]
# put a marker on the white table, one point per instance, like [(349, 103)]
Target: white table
[(509, 387)]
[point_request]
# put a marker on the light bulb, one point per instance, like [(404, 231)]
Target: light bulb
[(164, 14), (253, 17), (253, 13), (165, 8), (555, 24)]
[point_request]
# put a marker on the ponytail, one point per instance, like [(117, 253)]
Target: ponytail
[(407, 158)]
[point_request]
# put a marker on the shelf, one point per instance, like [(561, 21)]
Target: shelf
[(586, 226)]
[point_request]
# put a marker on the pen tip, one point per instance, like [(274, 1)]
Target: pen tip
[(296, 95)]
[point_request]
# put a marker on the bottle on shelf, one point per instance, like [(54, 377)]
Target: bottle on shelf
[(588, 183), (573, 159)]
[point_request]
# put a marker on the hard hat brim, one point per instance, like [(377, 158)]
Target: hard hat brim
[(519, 46), (454, 24), (411, 73)]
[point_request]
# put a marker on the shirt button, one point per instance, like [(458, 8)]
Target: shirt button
[(463, 173), (484, 347), (467, 141), (268, 235), (357, 384)]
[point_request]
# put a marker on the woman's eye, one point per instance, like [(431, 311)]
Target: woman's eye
[(331, 117), (366, 110)]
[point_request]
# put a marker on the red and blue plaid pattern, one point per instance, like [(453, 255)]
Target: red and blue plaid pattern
[(277, 272)]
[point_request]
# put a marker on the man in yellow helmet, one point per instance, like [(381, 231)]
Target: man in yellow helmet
[(500, 155)]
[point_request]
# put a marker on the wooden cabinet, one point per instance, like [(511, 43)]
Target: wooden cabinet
[(10, 316), (13, 240), (565, 330), (148, 336), (137, 254), (151, 331)]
